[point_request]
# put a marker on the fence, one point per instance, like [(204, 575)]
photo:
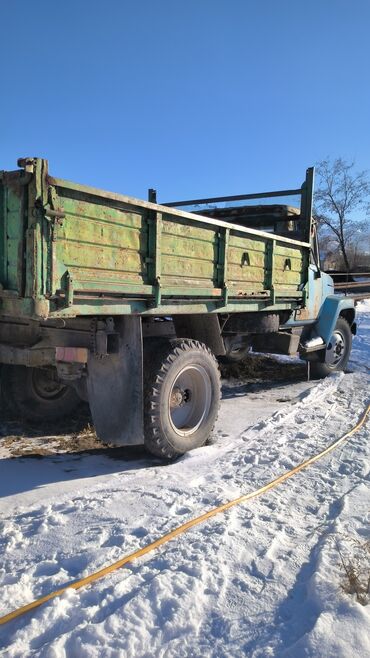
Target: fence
[(355, 284)]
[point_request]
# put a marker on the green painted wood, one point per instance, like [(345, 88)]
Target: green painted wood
[(81, 241), (11, 236), (2, 235)]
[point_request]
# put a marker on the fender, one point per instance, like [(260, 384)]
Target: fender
[(115, 387), (329, 313)]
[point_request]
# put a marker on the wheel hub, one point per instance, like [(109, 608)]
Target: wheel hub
[(190, 399), (179, 397), (335, 349), (45, 384)]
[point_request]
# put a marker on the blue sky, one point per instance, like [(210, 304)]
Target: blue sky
[(195, 98)]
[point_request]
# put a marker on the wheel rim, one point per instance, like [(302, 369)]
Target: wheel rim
[(335, 349), (189, 400), (45, 385)]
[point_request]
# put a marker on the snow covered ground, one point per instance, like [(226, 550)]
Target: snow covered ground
[(264, 579)]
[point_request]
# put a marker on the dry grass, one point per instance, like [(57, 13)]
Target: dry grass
[(73, 434), (264, 367), (355, 563)]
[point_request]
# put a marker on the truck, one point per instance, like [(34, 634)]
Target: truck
[(130, 304)]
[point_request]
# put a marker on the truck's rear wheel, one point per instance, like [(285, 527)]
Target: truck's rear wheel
[(236, 349), (337, 351), (36, 394), (182, 396)]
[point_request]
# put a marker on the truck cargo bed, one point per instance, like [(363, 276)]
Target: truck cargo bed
[(68, 250)]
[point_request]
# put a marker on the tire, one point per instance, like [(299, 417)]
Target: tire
[(337, 351), (182, 396), (36, 394), (235, 352)]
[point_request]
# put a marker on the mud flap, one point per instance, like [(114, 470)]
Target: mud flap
[(115, 387)]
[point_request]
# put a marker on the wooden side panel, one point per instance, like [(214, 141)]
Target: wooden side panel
[(101, 247), (11, 236), (106, 247), (67, 249), (246, 263), (188, 254), (2, 235), (288, 267)]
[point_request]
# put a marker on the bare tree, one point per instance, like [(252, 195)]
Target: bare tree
[(342, 203)]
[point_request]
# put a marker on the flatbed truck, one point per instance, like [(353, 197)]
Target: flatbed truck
[(129, 304)]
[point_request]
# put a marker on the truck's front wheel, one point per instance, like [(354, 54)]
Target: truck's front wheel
[(182, 396), (36, 394), (337, 351)]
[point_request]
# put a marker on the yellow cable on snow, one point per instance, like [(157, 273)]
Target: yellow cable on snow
[(183, 528)]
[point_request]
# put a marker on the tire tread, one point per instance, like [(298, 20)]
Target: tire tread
[(159, 361)]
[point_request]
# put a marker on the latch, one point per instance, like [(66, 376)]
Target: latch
[(51, 210)]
